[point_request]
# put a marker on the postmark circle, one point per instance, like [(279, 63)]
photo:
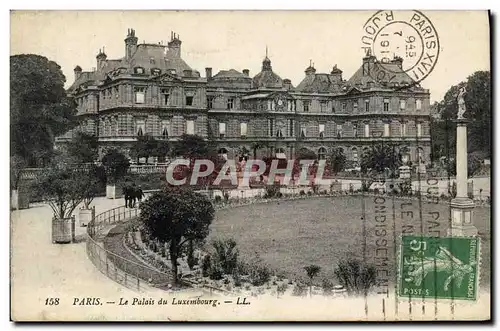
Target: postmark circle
[(400, 42)]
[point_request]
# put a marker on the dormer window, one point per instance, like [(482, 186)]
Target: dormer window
[(155, 72), (139, 70), (152, 60)]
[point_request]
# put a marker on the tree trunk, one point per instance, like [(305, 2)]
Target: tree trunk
[(173, 259)]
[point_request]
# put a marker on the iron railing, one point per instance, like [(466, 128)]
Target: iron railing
[(131, 274)]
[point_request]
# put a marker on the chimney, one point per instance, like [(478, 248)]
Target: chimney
[(208, 73), (246, 72), (78, 72), (174, 46), (287, 83), (130, 43), (101, 58), (336, 74), (310, 70), (398, 61), (368, 62)]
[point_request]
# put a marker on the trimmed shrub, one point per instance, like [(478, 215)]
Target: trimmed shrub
[(355, 276), (259, 275), (299, 290), (281, 289), (327, 286), (226, 254)]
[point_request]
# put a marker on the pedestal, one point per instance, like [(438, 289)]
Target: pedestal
[(462, 206), (110, 191), (461, 218)]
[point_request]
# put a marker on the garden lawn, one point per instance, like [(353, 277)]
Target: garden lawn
[(290, 235)]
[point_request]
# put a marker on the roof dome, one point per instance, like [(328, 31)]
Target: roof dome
[(267, 78)]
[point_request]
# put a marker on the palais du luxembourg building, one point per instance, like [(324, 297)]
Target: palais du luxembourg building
[(152, 90)]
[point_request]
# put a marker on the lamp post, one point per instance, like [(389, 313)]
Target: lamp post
[(462, 206)]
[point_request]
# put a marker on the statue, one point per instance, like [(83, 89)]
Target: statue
[(461, 103)]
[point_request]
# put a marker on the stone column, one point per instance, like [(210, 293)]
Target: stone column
[(461, 206)]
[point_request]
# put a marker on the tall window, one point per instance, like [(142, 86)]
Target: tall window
[(243, 129), (271, 127), (165, 93), (367, 105), (339, 130), (403, 129), (190, 127), (323, 106), (222, 130), (321, 130), (230, 103), (165, 128), (355, 106), (367, 130), (355, 130), (140, 127), (355, 154), (210, 102), (292, 127), (279, 133), (306, 105), (139, 94), (386, 104), (189, 101), (387, 131), (344, 106), (402, 104), (322, 153), (303, 132), (418, 104), (419, 129)]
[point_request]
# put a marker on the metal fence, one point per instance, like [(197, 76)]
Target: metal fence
[(134, 275)]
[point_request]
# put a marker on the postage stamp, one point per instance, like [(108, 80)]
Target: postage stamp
[(439, 267)]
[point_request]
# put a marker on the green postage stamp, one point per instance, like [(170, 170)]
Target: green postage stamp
[(439, 267)]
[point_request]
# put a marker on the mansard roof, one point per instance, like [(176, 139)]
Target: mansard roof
[(320, 83), (368, 75)]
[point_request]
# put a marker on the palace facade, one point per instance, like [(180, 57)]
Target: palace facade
[(152, 90)]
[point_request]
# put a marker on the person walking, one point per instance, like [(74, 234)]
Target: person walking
[(139, 194), (133, 190), (126, 194)]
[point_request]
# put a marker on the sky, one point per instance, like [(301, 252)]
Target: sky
[(238, 39)]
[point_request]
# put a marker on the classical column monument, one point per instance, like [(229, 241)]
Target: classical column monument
[(461, 206)]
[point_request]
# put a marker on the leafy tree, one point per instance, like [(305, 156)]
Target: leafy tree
[(256, 146), (39, 107), (381, 157), (337, 161), (83, 148), (176, 216), (474, 164), (147, 146), (63, 187), (305, 154), (116, 164), (312, 271), (93, 179), (17, 165), (191, 146), (478, 104)]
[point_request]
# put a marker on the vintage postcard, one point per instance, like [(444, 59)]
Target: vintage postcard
[(250, 165)]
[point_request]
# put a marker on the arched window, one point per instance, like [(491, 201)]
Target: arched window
[(165, 133), (322, 153), (139, 70)]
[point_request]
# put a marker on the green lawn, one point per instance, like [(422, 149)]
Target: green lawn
[(292, 234)]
